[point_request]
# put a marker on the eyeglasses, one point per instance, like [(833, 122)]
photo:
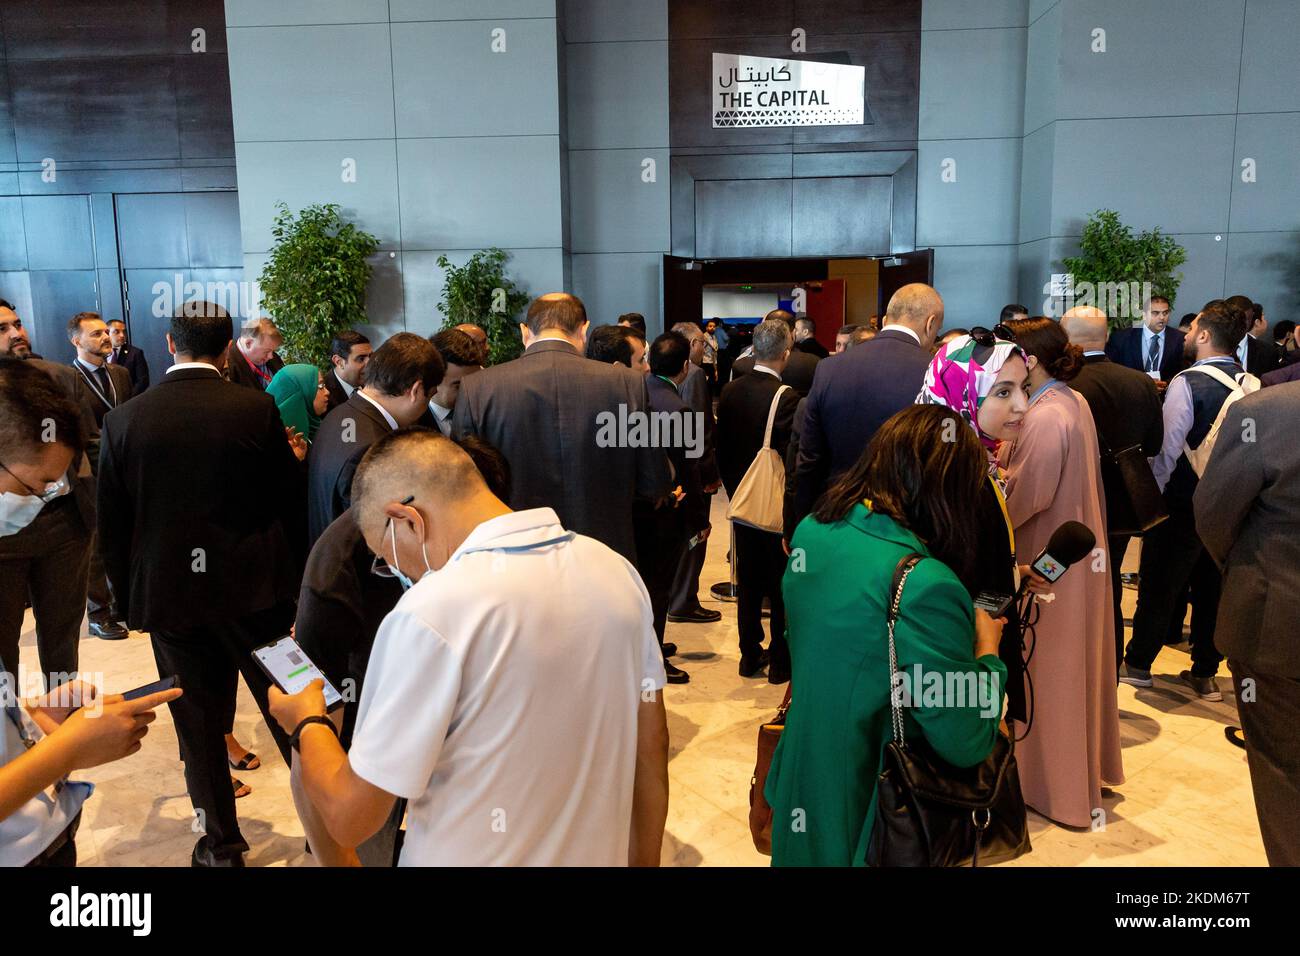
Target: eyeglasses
[(379, 567), (989, 337), (48, 495)]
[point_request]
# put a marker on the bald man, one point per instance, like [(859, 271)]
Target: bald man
[(854, 392), (513, 698), (480, 339), (1126, 409)]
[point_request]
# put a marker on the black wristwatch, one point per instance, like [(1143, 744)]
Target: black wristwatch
[(306, 721)]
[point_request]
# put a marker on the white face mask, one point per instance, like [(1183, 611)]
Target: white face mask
[(405, 581), (18, 511)]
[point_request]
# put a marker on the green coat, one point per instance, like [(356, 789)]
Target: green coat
[(822, 783)]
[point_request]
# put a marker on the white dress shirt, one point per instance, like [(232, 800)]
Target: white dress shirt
[(347, 389), (899, 327), (392, 422), (442, 417)]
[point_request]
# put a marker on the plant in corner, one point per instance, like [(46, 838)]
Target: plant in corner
[(479, 292), (314, 283), (1116, 269)]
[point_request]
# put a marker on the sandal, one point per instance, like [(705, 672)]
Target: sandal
[(250, 761), (241, 789), (1235, 736)]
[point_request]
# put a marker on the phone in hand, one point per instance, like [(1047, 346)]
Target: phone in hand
[(996, 603), (158, 686), (292, 670)]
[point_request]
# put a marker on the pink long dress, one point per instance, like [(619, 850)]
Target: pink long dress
[(1073, 747)]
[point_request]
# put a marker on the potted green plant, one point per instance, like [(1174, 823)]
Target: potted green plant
[(479, 292), (1117, 271), (314, 283)]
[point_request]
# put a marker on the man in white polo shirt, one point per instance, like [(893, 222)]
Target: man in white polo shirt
[(512, 696)]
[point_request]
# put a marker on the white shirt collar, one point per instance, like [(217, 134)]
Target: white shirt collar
[(516, 529), (1095, 352), (181, 365), (347, 389), (899, 327), (763, 368), (440, 413), (392, 422)]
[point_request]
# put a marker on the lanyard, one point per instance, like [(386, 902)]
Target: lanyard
[(266, 379), (90, 380), (665, 378)]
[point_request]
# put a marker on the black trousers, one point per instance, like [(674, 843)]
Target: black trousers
[(1269, 708), (1172, 559), (684, 596), (208, 660), (760, 565), (100, 605), (660, 540), (1118, 545), (45, 563)]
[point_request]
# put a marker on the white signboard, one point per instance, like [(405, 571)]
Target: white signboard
[(767, 91)]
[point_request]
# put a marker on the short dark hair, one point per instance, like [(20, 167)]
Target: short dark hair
[(1283, 328), (74, 323), (6, 304), (30, 403), (669, 353), (489, 461), (1186, 320), (456, 347), (344, 341), (611, 343), (1009, 312), (115, 321), (558, 310), (201, 329), (1046, 340), (634, 319), (1160, 298), (1225, 323), (1244, 305), (402, 361), (785, 315), (848, 330)]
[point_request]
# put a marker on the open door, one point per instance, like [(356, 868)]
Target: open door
[(900, 270), (683, 290)]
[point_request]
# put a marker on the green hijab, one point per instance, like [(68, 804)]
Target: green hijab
[(294, 390)]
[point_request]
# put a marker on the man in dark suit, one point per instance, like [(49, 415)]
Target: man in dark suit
[(1152, 347), (195, 481), (401, 376), (251, 360), (108, 386), (1254, 354), (44, 548), (1247, 509), (855, 392), (743, 411), (349, 353), (800, 368), (1280, 376), (805, 339), (1126, 410), (559, 419), (128, 356)]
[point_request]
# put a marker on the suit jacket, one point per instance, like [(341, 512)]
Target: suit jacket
[(1287, 373), (133, 360), (686, 471), (1261, 357), (853, 394), (197, 491), (1125, 348), (336, 391), (556, 417), (344, 436), (813, 348), (1125, 405), (82, 470), (1248, 517), (240, 372), (798, 373), (742, 419), (696, 393), (121, 390)]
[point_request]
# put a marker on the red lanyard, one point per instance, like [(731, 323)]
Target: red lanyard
[(266, 379)]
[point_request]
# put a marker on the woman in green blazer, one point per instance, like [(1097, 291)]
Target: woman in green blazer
[(915, 489)]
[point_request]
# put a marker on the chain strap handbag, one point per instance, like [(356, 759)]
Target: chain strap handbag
[(930, 813)]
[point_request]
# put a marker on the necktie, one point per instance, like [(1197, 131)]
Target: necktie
[(1153, 354), (105, 385)]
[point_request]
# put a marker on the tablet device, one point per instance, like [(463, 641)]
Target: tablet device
[(292, 670)]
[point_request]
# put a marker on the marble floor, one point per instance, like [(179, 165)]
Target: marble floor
[(1187, 800)]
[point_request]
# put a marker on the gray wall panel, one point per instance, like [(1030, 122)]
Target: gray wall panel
[(617, 94), (611, 208), (975, 282), (743, 217), (962, 14), (1270, 72), (981, 205), (588, 21), (972, 83), (58, 232), (1272, 201), (610, 284), (259, 13)]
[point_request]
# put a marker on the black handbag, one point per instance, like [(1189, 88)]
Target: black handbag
[(930, 813), (1134, 503)]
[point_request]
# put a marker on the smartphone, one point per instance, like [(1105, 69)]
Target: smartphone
[(994, 602), (167, 683), (292, 670)]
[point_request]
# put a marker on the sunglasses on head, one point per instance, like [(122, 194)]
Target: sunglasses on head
[(989, 337)]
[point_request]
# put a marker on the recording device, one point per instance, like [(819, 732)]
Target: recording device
[(1070, 543), (292, 670), (167, 683)]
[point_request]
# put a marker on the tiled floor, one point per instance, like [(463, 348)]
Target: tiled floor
[(1186, 802)]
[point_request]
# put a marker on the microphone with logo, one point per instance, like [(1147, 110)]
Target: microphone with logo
[(1069, 544)]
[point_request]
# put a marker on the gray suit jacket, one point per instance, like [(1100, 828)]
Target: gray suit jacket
[(1248, 516), (552, 413)]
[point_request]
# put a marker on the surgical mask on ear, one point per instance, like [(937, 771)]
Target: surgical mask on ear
[(405, 581)]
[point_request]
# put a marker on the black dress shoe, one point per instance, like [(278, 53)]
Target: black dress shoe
[(776, 675), (699, 615), (669, 649), (108, 630), (751, 665), (675, 674)]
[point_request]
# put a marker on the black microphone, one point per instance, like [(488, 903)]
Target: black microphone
[(1070, 543)]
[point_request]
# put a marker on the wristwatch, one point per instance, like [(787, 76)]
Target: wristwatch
[(314, 719)]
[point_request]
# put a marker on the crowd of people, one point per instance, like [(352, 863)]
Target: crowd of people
[(482, 561)]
